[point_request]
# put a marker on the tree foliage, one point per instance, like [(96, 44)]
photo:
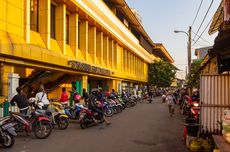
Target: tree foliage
[(161, 73), (193, 80)]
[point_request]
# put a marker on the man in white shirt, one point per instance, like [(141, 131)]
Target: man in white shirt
[(41, 96)]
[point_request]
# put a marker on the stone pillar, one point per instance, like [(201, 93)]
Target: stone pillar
[(13, 80), (10, 81), (110, 53)]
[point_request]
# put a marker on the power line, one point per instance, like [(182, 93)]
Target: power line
[(203, 31), (197, 12), (203, 19), (201, 38)]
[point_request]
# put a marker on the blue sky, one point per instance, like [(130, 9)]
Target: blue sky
[(161, 17)]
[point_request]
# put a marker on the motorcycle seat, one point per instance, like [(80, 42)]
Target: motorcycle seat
[(48, 113), (19, 114)]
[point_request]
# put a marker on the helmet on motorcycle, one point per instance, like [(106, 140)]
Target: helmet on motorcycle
[(32, 100), (40, 105), (195, 90), (94, 91)]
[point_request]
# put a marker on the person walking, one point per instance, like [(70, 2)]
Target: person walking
[(64, 97), (170, 102), (41, 96), (85, 96), (21, 101)]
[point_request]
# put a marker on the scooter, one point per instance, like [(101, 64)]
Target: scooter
[(73, 112), (7, 132), (57, 115)]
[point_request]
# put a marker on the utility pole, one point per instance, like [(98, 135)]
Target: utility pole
[(189, 49)]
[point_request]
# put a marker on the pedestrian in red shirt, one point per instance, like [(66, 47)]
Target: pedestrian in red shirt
[(64, 96)]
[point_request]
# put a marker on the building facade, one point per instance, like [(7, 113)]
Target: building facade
[(79, 43)]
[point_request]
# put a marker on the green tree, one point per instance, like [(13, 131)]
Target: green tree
[(161, 73), (193, 80)]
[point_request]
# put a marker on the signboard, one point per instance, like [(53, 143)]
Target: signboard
[(88, 68)]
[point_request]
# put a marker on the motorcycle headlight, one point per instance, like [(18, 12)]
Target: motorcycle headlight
[(196, 104)]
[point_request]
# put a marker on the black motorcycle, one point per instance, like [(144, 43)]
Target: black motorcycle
[(7, 132), (89, 118)]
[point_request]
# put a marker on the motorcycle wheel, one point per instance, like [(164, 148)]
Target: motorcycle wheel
[(128, 104), (7, 140), (63, 123), (133, 103), (119, 109), (183, 111), (82, 124), (43, 129), (109, 112), (114, 109)]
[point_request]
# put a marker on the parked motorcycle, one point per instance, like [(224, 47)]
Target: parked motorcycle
[(185, 106), (195, 111), (7, 132), (58, 116), (108, 110), (36, 122), (74, 112), (89, 118)]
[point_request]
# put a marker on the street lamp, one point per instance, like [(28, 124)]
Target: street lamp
[(189, 46)]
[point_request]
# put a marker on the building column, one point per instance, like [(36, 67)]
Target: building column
[(27, 21), (73, 33), (125, 60), (99, 46), (9, 81), (112, 85), (44, 21), (84, 40), (84, 82), (129, 62), (110, 53), (60, 23), (105, 50), (92, 44), (115, 55)]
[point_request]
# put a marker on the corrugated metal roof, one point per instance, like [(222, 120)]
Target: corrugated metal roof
[(217, 20)]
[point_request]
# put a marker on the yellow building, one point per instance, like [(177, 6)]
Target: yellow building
[(83, 43)]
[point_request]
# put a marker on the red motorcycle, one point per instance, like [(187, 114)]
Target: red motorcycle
[(37, 123), (195, 111), (89, 118)]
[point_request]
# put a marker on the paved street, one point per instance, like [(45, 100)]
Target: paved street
[(144, 128)]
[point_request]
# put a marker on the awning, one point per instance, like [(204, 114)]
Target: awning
[(218, 19)]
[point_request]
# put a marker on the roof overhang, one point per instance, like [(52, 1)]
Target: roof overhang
[(217, 20), (160, 51), (123, 6)]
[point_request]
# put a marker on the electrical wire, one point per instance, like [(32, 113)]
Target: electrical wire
[(204, 19), (203, 31), (202, 38), (197, 12)]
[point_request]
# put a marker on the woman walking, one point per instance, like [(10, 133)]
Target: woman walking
[(170, 102)]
